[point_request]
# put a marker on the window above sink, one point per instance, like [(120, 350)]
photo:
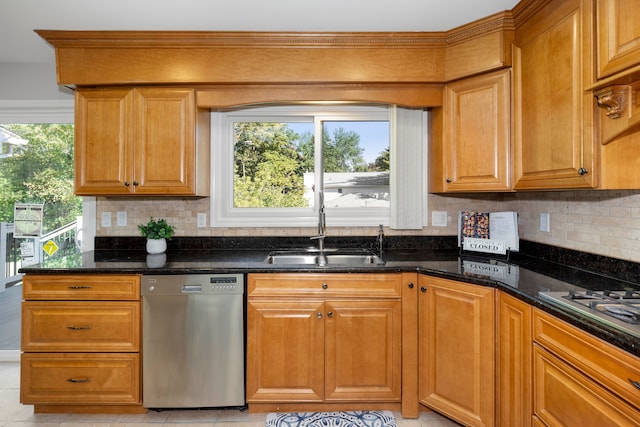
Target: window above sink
[(266, 167)]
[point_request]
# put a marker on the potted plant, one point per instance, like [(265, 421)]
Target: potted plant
[(157, 231)]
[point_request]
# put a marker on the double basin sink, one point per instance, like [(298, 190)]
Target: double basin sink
[(325, 258)]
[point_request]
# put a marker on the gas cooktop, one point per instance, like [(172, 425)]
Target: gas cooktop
[(618, 309)]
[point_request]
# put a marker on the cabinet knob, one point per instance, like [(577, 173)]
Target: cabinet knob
[(636, 384), (325, 286), (423, 289), (582, 171), (319, 315), (410, 285), (448, 180), (126, 183), (135, 183), (330, 314)]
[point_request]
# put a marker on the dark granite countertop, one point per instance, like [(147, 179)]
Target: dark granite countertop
[(534, 269)]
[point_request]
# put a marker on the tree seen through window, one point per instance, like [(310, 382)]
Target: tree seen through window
[(274, 162)]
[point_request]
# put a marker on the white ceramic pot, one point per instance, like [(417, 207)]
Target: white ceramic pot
[(156, 246)]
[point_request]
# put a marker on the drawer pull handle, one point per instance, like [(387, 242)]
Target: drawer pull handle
[(80, 287), (78, 380), (79, 328), (636, 384)]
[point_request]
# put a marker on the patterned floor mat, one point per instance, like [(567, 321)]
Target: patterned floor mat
[(331, 419)]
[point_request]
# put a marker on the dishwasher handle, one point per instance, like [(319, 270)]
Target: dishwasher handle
[(191, 289)]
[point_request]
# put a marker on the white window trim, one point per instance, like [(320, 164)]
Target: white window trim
[(223, 214)]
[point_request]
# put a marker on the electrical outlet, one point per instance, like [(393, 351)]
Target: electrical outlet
[(201, 220), (105, 221), (121, 219), (544, 222), (439, 218)]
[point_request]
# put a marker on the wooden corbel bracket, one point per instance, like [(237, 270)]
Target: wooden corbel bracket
[(614, 99), (619, 103)]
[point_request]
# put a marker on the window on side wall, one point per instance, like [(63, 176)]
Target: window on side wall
[(269, 170)]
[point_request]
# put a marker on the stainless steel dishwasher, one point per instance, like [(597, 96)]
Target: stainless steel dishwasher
[(192, 341)]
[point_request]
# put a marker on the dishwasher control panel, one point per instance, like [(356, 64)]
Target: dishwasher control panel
[(185, 284)]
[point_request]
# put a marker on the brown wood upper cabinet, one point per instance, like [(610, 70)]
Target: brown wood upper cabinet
[(616, 90), (618, 36), (553, 115), (473, 152), (140, 141)]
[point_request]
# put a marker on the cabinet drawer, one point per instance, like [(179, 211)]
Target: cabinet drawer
[(85, 379), (607, 364), (81, 326), (80, 287), (325, 285), (564, 397)]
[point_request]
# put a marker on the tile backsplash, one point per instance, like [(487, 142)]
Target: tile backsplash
[(600, 222)]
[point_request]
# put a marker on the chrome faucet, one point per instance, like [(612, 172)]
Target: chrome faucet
[(322, 226)]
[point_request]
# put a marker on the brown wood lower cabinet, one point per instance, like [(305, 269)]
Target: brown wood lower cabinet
[(514, 389), (580, 380), (324, 338), (80, 379), (457, 350), (565, 397), (81, 343)]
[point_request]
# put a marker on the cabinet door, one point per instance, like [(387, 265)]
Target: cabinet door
[(477, 133), (564, 397), (553, 115), (164, 141), (285, 347), (618, 35), (514, 362), (103, 135), (457, 350), (363, 350)]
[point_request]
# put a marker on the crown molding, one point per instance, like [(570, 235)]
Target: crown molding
[(239, 39)]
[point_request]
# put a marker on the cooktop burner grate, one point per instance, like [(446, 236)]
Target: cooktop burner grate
[(619, 309)]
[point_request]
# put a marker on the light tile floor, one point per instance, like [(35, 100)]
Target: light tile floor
[(13, 414)]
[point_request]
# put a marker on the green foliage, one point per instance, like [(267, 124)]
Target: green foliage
[(268, 170), (382, 161), (342, 152), (41, 172), (271, 159), (156, 229)]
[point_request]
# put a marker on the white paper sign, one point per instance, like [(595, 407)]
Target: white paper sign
[(484, 245)]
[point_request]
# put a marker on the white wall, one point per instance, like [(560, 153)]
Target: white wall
[(31, 81)]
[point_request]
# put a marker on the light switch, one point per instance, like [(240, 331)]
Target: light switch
[(544, 222), (121, 219), (202, 220), (439, 218), (105, 220)]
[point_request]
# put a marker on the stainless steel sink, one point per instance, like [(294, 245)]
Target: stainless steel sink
[(331, 257)]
